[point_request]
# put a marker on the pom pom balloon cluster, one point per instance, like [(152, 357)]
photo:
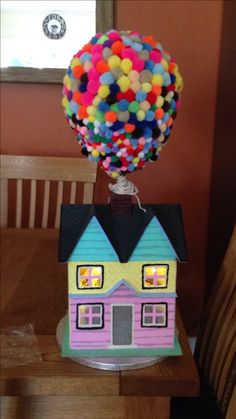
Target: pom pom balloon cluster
[(121, 95)]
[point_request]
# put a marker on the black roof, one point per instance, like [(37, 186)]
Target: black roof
[(123, 232)]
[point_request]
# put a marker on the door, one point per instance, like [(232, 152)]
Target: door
[(122, 322)]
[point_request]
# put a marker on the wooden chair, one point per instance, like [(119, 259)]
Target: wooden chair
[(46, 169), (215, 351)]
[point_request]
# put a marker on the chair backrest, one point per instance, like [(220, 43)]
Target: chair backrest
[(216, 343), (46, 169)]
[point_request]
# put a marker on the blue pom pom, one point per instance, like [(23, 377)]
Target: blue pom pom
[(103, 106), (131, 166), (74, 106), (152, 124), (147, 46), (83, 87), (114, 88), (137, 46), (150, 116), (106, 78), (127, 41), (129, 158), (167, 79), (149, 65), (140, 96), (94, 40), (158, 69), (147, 132), (132, 118), (173, 78), (85, 57), (117, 125), (123, 105)]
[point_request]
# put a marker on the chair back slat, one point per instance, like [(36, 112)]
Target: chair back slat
[(59, 201), (45, 169), (19, 194), (88, 193), (4, 202), (33, 186), (228, 377), (46, 203), (73, 192)]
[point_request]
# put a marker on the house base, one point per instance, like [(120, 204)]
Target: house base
[(116, 352)]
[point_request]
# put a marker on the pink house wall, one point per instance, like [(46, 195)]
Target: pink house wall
[(144, 337)]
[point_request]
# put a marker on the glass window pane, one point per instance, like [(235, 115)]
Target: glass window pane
[(161, 282), (84, 271), (148, 282), (96, 270), (96, 320), (96, 282), (162, 270), (96, 309), (84, 283), (160, 320), (149, 270), (84, 320), (84, 309), (148, 319), (148, 309)]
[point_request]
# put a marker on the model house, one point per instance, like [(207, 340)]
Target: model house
[(122, 278)]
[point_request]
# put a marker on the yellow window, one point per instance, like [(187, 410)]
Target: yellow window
[(89, 277), (155, 276)]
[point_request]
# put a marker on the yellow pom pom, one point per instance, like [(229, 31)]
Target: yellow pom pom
[(157, 79), (75, 61), (114, 61), (179, 82), (165, 64), (103, 91), (135, 160), (114, 174), (91, 118), (91, 110), (124, 83), (126, 65), (96, 100), (119, 142), (146, 87), (64, 102), (140, 115), (160, 102), (95, 153)]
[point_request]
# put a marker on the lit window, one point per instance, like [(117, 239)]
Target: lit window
[(154, 315), (90, 316), (155, 276), (89, 277)]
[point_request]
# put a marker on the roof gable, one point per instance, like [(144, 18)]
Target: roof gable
[(93, 245), (154, 244)]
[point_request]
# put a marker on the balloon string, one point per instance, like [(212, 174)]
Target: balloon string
[(125, 187)]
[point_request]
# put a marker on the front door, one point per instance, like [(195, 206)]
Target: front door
[(122, 321)]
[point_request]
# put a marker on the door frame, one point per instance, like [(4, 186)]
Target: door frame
[(132, 328)]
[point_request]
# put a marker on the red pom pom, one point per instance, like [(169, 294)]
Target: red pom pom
[(151, 98), (129, 95)]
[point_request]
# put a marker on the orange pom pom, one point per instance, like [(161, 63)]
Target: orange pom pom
[(82, 112), (110, 116), (77, 97), (78, 70), (159, 113), (102, 67), (156, 89), (129, 127), (149, 40), (87, 47), (117, 47)]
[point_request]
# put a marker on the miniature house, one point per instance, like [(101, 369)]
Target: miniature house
[(122, 279)]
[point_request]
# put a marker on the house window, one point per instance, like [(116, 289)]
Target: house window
[(89, 277), (154, 315), (90, 316), (155, 276)]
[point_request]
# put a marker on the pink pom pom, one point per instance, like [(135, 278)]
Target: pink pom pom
[(87, 99), (155, 56), (96, 57), (128, 53), (97, 48), (93, 86), (83, 130), (93, 74), (138, 64), (114, 36)]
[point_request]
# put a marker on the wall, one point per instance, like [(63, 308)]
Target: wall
[(34, 125)]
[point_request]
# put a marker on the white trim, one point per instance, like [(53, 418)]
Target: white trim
[(132, 329)]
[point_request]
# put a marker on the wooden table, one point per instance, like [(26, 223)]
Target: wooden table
[(34, 290)]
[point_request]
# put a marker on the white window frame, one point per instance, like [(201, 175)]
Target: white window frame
[(154, 314), (90, 315)]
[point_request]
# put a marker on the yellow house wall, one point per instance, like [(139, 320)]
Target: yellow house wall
[(115, 271)]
